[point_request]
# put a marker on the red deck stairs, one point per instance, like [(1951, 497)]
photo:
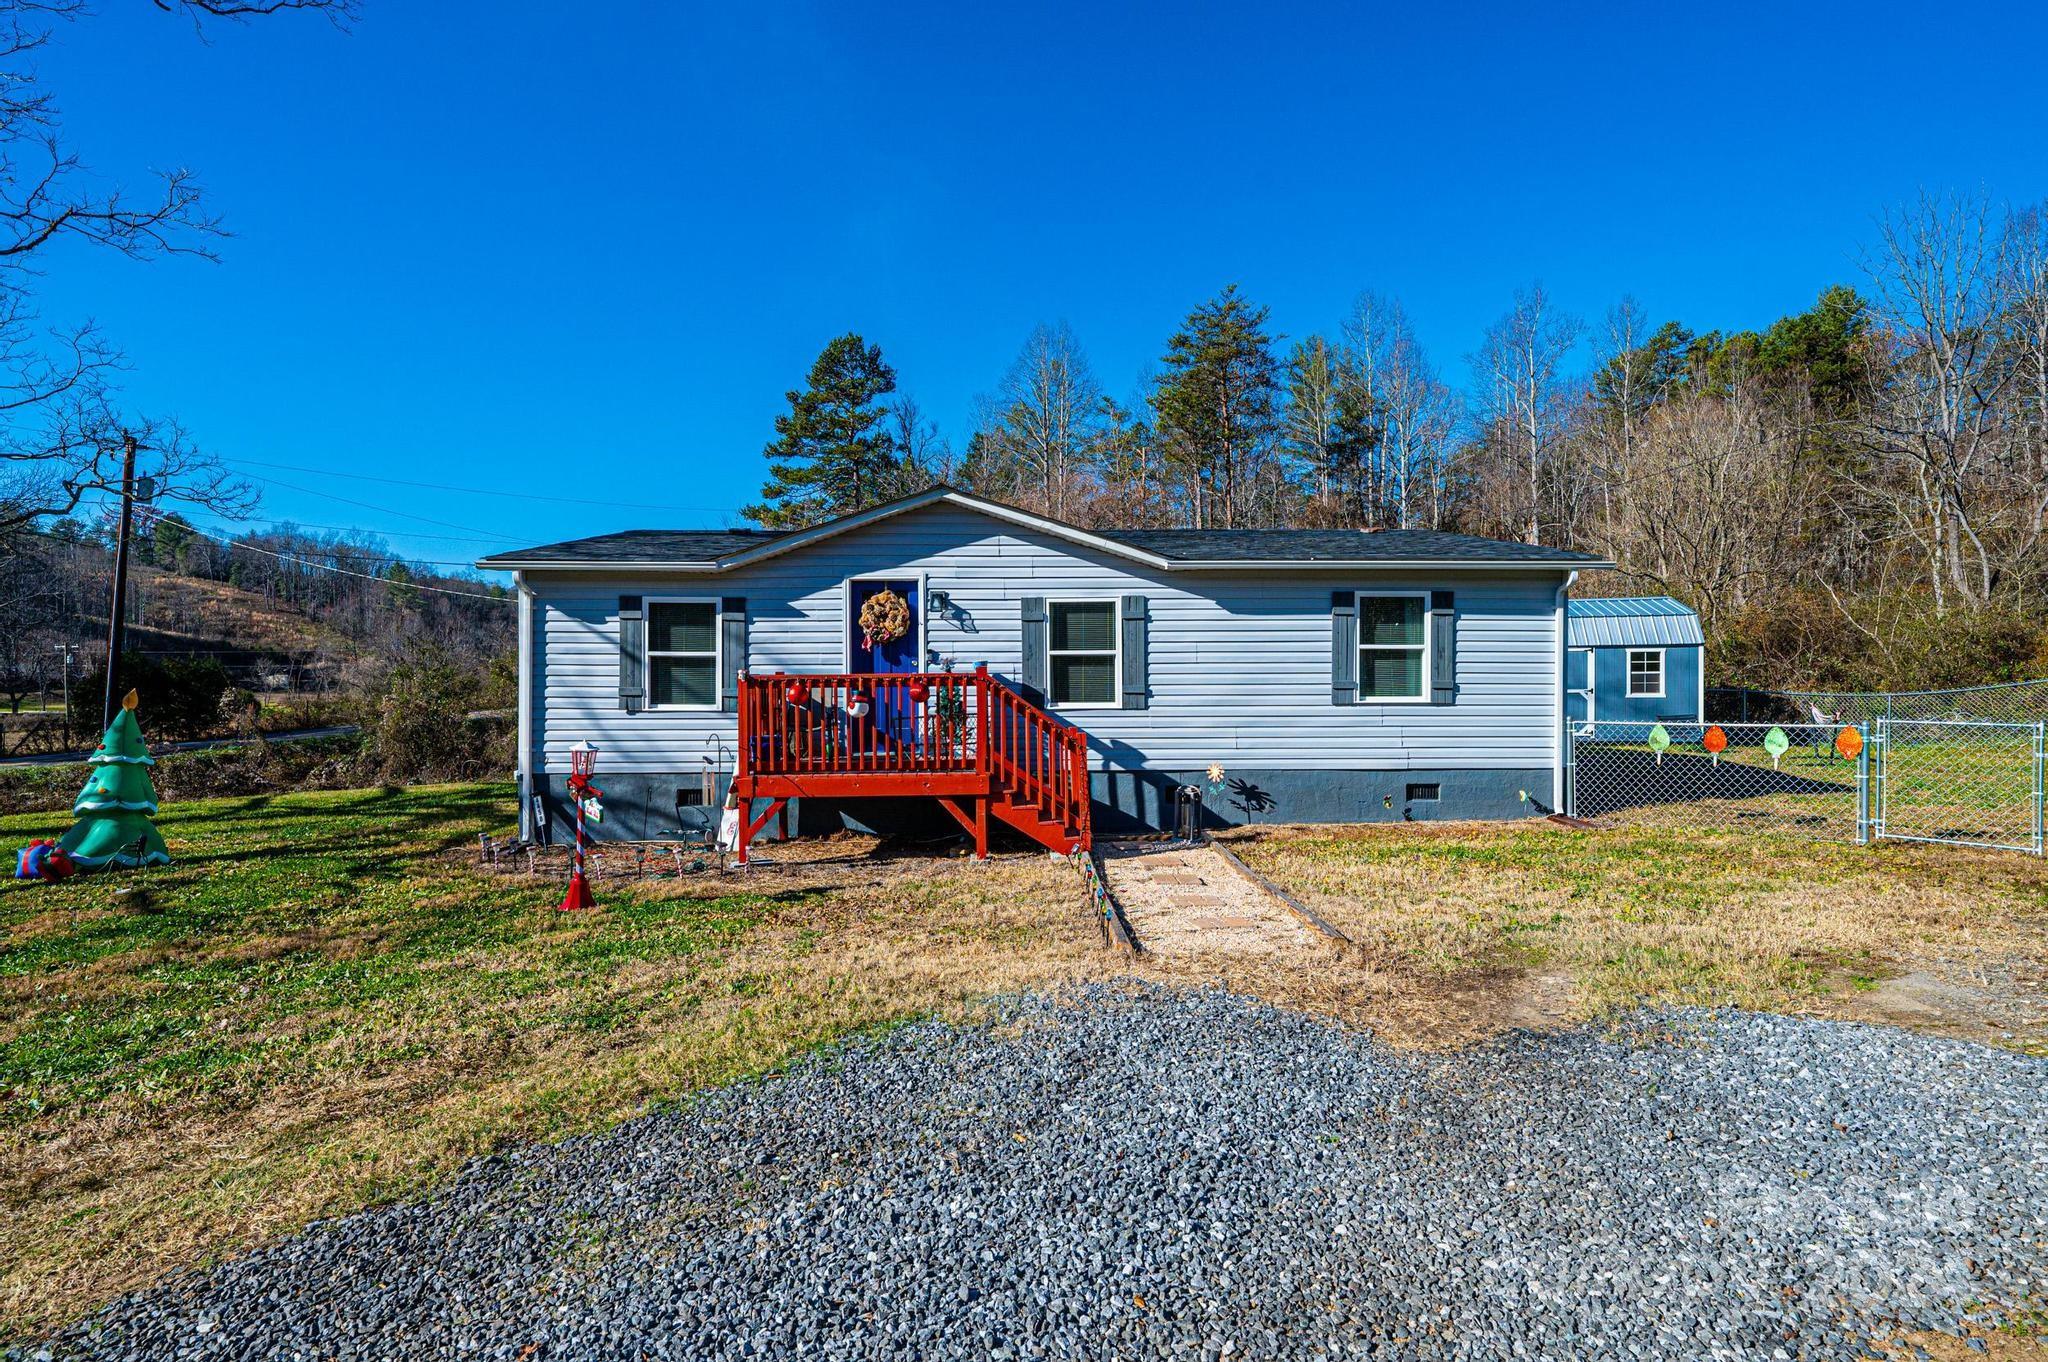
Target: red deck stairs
[(963, 738)]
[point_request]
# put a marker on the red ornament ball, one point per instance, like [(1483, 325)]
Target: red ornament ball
[(798, 692), (918, 691)]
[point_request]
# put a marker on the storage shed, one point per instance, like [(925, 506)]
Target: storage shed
[(1633, 659)]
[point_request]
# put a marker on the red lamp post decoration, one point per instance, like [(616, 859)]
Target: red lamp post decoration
[(582, 762)]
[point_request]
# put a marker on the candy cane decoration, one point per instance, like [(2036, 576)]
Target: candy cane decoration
[(582, 762)]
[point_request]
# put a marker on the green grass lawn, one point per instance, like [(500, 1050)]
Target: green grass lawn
[(326, 1002)]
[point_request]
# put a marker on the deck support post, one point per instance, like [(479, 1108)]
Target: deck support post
[(751, 826), (981, 828)]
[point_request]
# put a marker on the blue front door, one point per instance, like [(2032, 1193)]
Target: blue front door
[(890, 657)]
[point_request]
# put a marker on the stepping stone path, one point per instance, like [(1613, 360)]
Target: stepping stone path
[(1190, 901)]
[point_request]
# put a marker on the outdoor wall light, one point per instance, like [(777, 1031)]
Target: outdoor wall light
[(940, 603)]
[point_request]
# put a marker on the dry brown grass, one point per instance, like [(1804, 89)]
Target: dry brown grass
[(1461, 929)]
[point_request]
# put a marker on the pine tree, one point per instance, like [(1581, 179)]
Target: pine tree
[(118, 801), (833, 453), (1216, 406)]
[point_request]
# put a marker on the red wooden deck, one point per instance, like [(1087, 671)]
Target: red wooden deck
[(962, 738)]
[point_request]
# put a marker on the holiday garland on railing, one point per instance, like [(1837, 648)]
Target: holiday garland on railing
[(884, 618)]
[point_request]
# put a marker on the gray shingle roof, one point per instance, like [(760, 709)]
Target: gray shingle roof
[(1337, 546), (642, 546), (718, 548)]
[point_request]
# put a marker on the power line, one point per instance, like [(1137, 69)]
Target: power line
[(346, 550), (382, 510), (480, 491), (279, 525), (344, 572)]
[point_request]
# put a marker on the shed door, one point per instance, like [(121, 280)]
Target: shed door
[(1578, 688)]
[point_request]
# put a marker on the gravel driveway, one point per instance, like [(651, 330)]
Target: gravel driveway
[(1140, 1173)]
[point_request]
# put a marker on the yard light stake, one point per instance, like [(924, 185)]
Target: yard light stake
[(1777, 744), (1716, 742), (1660, 742), (582, 762)]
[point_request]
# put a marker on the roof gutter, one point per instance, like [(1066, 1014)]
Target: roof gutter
[(1574, 565)]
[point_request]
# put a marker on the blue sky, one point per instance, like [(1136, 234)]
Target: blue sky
[(489, 245)]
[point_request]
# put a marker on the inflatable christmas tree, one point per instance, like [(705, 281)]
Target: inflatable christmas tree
[(116, 805)]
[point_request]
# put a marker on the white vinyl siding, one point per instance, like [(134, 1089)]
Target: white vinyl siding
[(682, 653), (1646, 673), (1238, 664), (1083, 653)]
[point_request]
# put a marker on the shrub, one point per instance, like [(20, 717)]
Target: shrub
[(181, 697), (416, 716)]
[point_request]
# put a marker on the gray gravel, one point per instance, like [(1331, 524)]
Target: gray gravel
[(1139, 1173)]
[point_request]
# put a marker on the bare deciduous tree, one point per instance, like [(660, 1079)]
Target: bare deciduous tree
[(1040, 428), (1527, 403), (58, 398)]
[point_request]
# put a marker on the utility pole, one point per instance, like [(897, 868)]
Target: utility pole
[(65, 649), (117, 623)]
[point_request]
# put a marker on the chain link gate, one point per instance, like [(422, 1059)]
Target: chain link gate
[(1957, 782)]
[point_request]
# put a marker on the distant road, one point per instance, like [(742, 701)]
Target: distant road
[(196, 745)]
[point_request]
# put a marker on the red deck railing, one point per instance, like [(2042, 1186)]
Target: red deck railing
[(951, 734)]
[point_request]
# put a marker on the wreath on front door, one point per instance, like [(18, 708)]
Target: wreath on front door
[(884, 618)]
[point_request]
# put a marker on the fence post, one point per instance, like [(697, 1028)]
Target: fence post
[(2040, 772), (1865, 761)]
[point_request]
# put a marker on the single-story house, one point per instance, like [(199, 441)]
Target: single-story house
[(1634, 659), (1331, 675)]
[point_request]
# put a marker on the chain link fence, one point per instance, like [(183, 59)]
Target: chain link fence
[(2017, 702), (1962, 782), (1765, 776)]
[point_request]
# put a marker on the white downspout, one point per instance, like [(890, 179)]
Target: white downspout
[(1562, 726), (523, 760)]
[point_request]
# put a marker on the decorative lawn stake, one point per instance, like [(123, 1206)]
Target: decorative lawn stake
[(582, 762), (1716, 742), (1777, 744), (1660, 741), (1848, 743), (115, 807)]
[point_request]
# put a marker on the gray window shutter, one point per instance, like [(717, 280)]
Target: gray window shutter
[(1443, 647), (1343, 647), (732, 651), (632, 655), (1035, 670), (1135, 693)]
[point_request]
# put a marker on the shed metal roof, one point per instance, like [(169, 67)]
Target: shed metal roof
[(1632, 622)]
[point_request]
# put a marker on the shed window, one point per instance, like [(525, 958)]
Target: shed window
[(682, 654), (1393, 647), (1646, 673), (1082, 648)]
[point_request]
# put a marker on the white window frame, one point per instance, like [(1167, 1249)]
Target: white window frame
[(1428, 627), (648, 652), (1115, 650), (1628, 674)]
